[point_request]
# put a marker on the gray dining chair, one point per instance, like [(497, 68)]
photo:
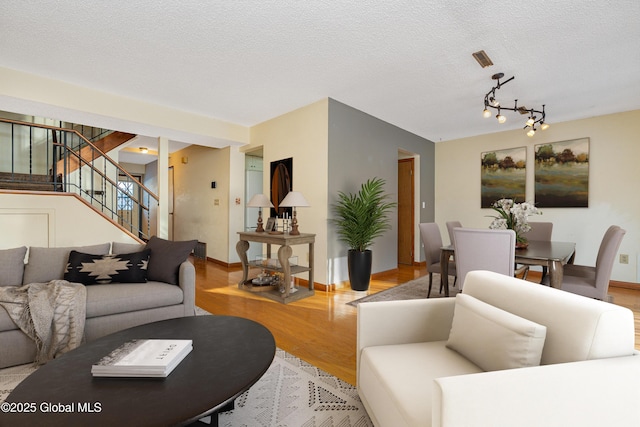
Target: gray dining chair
[(450, 226), (484, 249), (593, 282), (540, 231), (432, 242)]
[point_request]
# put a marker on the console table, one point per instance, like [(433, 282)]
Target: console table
[(285, 241)]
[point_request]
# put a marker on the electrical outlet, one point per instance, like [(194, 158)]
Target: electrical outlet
[(624, 259)]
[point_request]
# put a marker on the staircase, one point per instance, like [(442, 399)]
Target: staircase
[(31, 155), (26, 182)]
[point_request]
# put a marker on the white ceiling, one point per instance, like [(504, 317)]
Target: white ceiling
[(406, 62)]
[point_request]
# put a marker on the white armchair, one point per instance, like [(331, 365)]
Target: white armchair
[(408, 374)]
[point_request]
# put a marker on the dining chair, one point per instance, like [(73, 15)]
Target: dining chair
[(540, 231), (484, 249), (593, 282), (432, 242), (450, 226)]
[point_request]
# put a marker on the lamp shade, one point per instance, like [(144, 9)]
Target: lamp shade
[(294, 199), (259, 201)]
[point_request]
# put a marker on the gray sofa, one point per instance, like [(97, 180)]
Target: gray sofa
[(109, 307)]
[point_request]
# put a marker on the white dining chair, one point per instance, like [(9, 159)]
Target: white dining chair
[(484, 249)]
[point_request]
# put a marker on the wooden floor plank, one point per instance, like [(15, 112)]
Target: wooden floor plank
[(320, 329)]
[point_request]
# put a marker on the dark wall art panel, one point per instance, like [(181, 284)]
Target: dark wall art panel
[(281, 184), (562, 174), (503, 175)]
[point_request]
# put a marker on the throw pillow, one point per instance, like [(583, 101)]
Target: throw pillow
[(166, 257), (12, 266), (46, 264), (91, 269), (492, 338)]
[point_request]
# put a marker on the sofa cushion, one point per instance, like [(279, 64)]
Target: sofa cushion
[(114, 298), (578, 328), (45, 264), (6, 322), (397, 379), (12, 266), (91, 269), (126, 248), (166, 257), (492, 338)]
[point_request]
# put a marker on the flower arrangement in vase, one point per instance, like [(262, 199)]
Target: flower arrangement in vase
[(513, 216)]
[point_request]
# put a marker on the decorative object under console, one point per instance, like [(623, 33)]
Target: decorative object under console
[(283, 264)]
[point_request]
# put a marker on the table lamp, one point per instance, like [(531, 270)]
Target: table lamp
[(294, 199), (259, 201)]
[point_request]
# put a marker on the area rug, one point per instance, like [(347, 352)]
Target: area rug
[(292, 393), (415, 289), (11, 377)]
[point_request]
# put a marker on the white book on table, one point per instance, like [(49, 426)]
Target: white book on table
[(143, 358)]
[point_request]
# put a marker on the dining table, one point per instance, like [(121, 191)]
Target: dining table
[(553, 255)]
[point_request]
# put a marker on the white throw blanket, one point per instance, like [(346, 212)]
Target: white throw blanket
[(52, 314)]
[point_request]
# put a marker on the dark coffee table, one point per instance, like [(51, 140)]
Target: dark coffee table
[(229, 355)]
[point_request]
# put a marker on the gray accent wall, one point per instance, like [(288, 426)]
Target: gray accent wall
[(362, 147)]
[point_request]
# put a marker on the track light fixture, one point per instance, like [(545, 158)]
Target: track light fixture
[(536, 117)]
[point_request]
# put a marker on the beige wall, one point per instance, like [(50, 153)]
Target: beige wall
[(52, 221), (614, 176), (29, 94), (201, 212), (303, 135)]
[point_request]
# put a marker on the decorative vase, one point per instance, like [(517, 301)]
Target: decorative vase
[(359, 263)]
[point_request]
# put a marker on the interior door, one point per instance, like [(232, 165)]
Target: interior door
[(171, 200), (405, 211)]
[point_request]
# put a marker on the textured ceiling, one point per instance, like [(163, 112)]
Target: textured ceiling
[(406, 62)]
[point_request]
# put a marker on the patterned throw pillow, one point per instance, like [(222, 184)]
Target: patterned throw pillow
[(99, 269)]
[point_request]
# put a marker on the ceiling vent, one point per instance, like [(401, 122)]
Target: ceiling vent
[(482, 58)]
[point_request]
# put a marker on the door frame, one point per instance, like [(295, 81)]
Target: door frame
[(410, 209)]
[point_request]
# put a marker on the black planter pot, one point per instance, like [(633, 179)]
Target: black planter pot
[(359, 269)]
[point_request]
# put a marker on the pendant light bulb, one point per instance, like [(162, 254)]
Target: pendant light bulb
[(544, 126), (531, 132), (530, 122), (486, 113), (501, 118)]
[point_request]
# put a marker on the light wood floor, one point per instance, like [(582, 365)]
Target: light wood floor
[(321, 329)]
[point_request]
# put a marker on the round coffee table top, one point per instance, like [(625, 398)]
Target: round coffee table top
[(229, 355)]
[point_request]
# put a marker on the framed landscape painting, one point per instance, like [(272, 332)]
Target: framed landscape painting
[(503, 175), (562, 174)]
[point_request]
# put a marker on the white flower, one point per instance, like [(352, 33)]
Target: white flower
[(498, 224), (514, 216)]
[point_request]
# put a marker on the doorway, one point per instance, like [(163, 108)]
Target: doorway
[(253, 184), (406, 189)]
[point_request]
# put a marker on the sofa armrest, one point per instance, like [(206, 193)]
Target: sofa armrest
[(589, 393), (187, 282), (403, 322)]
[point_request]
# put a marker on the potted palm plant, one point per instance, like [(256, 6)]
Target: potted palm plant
[(360, 219)]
